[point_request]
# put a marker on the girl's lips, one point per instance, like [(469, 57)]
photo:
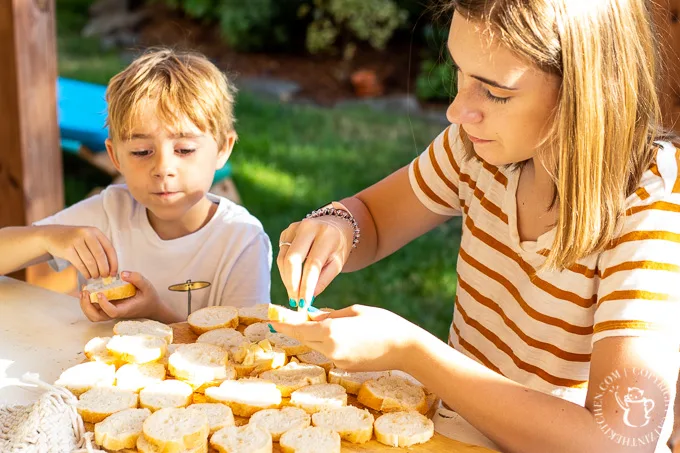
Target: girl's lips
[(476, 140)]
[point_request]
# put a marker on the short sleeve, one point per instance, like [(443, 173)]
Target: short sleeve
[(434, 175)]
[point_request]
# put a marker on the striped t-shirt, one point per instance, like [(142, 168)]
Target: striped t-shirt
[(538, 327)]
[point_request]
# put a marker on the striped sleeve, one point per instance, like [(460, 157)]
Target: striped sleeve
[(639, 290), (434, 175)]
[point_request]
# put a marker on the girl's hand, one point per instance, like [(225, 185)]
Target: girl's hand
[(312, 253), (357, 338), (145, 304)]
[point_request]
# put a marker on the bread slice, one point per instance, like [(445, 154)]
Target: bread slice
[(100, 402), (120, 430), (282, 314), (310, 440), (164, 360), (95, 350), (317, 397), (174, 430), (168, 393), (253, 314), (316, 358), (112, 287), (226, 338), (139, 348), (256, 332), (392, 394), (295, 376), (278, 421), (210, 318), (353, 424), (352, 381), (144, 446), (288, 344), (403, 429), (82, 377), (145, 327), (219, 415), (244, 439), (246, 396), (200, 363), (254, 358), (135, 377)]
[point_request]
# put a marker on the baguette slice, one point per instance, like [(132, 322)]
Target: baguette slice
[(352, 381), (253, 314), (403, 429), (145, 327), (144, 446), (353, 424), (100, 402), (255, 358), (316, 358), (256, 332), (85, 376), (219, 415), (226, 338), (135, 377), (164, 394), (317, 397), (210, 318), (95, 350), (246, 396), (139, 348), (200, 363), (113, 288), (244, 439), (392, 394), (174, 430), (120, 430), (295, 376), (288, 344), (278, 421), (310, 440)]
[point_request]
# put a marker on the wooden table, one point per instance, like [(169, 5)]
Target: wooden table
[(41, 332)]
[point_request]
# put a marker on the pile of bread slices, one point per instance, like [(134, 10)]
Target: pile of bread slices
[(236, 388)]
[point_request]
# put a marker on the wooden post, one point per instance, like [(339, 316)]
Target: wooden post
[(31, 174)]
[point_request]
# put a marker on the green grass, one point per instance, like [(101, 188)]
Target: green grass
[(290, 160)]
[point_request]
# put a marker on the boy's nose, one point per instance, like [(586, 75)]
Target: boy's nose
[(164, 166)]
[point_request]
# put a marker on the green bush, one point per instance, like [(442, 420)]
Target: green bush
[(344, 22), (436, 79)]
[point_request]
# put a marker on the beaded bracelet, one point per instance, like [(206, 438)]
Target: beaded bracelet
[(343, 214)]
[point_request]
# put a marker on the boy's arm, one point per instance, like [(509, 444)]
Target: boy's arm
[(21, 247), (86, 248), (248, 282)]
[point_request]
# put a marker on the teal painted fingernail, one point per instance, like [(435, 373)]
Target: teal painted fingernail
[(271, 329), (313, 309), (312, 302), (292, 303), (302, 303)]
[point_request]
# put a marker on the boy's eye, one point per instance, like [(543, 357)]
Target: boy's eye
[(185, 151), (141, 153)]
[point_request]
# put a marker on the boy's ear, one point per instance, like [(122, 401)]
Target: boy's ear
[(112, 153), (224, 153)]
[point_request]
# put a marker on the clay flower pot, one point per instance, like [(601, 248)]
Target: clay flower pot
[(366, 83)]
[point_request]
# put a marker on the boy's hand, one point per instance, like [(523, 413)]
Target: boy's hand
[(86, 248), (145, 304)]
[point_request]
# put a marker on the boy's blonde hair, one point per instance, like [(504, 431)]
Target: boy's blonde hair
[(608, 114), (180, 85)]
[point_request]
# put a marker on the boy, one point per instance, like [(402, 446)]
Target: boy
[(170, 118)]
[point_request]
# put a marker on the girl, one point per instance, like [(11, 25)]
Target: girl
[(564, 337)]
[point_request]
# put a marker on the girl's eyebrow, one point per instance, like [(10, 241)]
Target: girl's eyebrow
[(483, 79)]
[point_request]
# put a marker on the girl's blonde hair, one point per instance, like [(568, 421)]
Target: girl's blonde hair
[(179, 85), (608, 114)]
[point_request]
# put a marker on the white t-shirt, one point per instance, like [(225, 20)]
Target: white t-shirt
[(231, 252)]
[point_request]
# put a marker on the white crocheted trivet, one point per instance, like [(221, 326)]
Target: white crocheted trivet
[(50, 425)]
